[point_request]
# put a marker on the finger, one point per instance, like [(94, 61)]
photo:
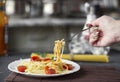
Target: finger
[(94, 36), (93, 29), (95, 22)]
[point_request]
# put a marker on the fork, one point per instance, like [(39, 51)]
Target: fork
[(77, 34), (88, 27)]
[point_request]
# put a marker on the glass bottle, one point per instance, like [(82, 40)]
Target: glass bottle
[(3, 25)]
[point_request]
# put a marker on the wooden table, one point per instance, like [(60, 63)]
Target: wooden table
[(87, 73)]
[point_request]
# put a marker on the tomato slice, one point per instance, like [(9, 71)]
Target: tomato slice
[(49, 70), (70, 67), (35, 58), (65, 66), (21, 68)]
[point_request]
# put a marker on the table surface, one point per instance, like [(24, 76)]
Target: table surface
[(5, 60), (87, 73)]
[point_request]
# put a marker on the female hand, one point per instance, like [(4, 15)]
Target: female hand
[(107, 31)]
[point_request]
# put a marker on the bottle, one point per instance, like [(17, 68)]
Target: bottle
[(3, 25)]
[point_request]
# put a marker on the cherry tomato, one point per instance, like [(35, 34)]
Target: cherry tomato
[(70, 67), (35, 58), (49, 70), (21, 68), (65, 66)]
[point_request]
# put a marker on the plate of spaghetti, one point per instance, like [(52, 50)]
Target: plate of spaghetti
[(37, 66)]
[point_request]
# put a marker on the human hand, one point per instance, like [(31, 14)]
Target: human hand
[(107, 31)]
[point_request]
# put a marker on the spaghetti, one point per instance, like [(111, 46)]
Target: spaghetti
[(58, 49), (39, 65)]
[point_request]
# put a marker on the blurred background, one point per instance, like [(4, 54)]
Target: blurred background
[(34, 25)]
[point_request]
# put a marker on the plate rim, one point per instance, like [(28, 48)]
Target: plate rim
[(11, 65)]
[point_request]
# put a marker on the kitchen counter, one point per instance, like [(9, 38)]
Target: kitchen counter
[(5, 60)]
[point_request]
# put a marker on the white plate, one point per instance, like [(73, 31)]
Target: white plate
[(13, 65)]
